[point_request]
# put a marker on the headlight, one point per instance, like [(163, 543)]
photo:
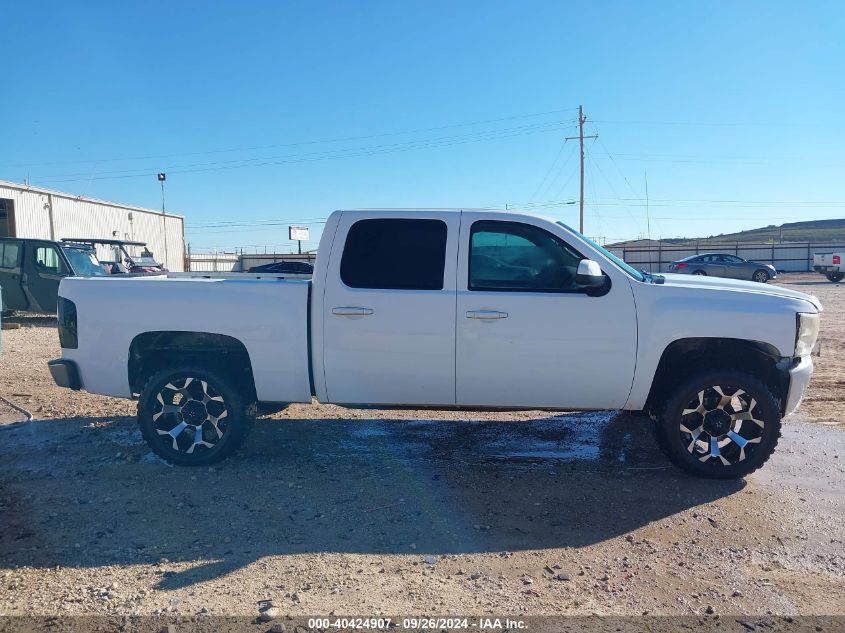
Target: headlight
[(806, 333)]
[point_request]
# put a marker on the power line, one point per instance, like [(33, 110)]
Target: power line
[(320, 156), (295, 144)]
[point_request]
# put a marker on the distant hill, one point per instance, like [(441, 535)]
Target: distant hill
[(810, 231)]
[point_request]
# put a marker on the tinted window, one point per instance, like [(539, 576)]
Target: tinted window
[(9, 254), (398, 254), (511, 256)]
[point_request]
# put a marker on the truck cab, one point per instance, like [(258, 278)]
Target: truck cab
[(31, 271)]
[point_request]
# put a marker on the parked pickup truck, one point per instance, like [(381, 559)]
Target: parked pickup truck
[(449, 309), (831, 265)]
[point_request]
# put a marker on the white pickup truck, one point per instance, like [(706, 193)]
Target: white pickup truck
[(448, 309), (831, 265)]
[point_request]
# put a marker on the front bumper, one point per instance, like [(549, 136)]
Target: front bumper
[(799, 379), (65, 373)]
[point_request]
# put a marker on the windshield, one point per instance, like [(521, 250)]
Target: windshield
[(84, 263), (146, 261), (633, 272)]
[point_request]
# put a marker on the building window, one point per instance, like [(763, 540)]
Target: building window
[(7, 216)]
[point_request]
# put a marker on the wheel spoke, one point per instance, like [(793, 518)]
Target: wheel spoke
[(724, 399), (747, 415), (699, 408), (174, 433), (215, 419), (198, 441)]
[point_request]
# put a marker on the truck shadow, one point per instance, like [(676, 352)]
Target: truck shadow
[(86, 492)]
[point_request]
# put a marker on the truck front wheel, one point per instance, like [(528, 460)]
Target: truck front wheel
[(835, 277), (192, 416), (720, 425)]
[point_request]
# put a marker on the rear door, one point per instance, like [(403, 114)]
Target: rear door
[(11, 252), (389, 309), (713, 265), (43, 268)]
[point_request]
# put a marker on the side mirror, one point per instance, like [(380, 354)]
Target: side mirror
[(589, 274)]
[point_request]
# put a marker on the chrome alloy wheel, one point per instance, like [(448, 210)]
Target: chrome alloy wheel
[(721, 424), (192, 415)]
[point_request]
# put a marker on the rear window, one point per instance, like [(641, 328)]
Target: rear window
[(395, 254)]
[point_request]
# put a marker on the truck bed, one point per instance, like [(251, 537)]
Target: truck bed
[(267, 313)]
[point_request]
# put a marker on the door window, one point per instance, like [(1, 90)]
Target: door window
[(513, 257), (9, 254), (47, 260), (397, 254)]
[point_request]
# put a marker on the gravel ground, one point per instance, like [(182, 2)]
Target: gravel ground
[(327, 510)]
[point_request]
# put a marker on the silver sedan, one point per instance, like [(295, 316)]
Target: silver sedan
[(723, 265)]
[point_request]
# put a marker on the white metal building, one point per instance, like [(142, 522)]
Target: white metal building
[(34, 212)]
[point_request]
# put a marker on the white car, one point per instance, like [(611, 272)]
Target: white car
[(447, 308), (831, 265)]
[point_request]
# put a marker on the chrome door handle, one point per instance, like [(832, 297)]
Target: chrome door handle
[(352, 311), (486, 314)]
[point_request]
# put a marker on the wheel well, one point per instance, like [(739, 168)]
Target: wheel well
[(151, 352), (685, 357)]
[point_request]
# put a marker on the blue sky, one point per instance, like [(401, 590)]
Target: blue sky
[(267, 113)]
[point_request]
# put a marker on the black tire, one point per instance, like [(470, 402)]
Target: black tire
[(835, 277), (700, 272), (693, 450), (223, 429), (761, 276)]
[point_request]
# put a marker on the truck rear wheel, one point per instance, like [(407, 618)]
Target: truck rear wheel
[(720, 425), (192, 416), (835, 277)]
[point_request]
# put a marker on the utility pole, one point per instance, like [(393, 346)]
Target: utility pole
[(581, 120), (161, 178)]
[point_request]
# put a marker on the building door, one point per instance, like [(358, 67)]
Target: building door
[(7, 217)]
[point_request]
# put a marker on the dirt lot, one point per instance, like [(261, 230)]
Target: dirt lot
[(327, 510)]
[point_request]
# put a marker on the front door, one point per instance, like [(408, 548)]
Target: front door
[(389, 310), (44, 266), (10, 275), (527, 334)]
